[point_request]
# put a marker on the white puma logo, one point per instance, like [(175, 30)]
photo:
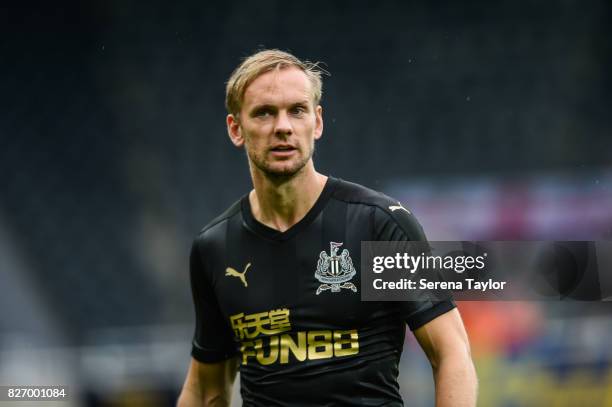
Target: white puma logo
[(397, 207), (234, 273)]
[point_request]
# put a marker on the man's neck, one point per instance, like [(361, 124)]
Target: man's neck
[(281, 203)]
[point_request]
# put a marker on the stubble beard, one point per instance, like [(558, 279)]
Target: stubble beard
[(285, 172)]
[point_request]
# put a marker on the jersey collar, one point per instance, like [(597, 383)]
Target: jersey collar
[(265, 231)]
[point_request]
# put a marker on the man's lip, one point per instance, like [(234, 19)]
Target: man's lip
[(282, 148), (284, 153)]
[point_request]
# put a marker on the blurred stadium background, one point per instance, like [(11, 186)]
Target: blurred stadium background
[(491, 120)]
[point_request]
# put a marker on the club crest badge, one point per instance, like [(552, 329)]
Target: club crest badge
[(335, 271)]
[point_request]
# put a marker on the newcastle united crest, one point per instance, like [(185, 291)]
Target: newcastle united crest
[(335, 271)]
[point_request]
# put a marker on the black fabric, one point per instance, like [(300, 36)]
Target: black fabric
[(303, 338)]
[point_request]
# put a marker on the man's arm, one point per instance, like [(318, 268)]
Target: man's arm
[(209, 384), (446, 345)]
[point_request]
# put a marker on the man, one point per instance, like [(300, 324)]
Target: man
[(274, 279)]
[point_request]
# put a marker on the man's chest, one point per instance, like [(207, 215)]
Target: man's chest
[(289, 274), (303, 295), (315, 276)]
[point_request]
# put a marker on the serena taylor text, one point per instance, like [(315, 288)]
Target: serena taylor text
[(423, 284)]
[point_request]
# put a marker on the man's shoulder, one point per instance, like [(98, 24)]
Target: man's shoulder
[(391, 218), (354, 193), (215, 226)]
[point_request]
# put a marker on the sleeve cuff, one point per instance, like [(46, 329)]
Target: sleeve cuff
[(420, 318), (211, 355)]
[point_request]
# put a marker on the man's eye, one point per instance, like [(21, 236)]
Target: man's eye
[(298, 110), (263, 113)]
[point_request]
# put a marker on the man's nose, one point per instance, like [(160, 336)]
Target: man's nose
[(283, 124)]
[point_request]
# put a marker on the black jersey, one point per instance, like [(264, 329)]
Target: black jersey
[(288, 303)]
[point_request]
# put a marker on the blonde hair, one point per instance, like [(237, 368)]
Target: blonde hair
[(265, 61)]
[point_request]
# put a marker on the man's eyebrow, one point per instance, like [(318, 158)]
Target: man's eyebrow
[(261, 106)]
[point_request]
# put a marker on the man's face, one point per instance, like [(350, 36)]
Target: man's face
[(278, 122)]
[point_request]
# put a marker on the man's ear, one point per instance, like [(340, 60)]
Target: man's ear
[(234, 131), (318, 122)]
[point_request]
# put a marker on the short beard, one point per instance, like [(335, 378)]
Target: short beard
[(284, 175)]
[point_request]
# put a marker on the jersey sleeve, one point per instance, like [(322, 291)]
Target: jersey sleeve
[(402, 225), (213, 339)]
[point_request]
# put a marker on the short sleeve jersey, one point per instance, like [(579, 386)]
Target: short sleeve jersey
[(288, 304)]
